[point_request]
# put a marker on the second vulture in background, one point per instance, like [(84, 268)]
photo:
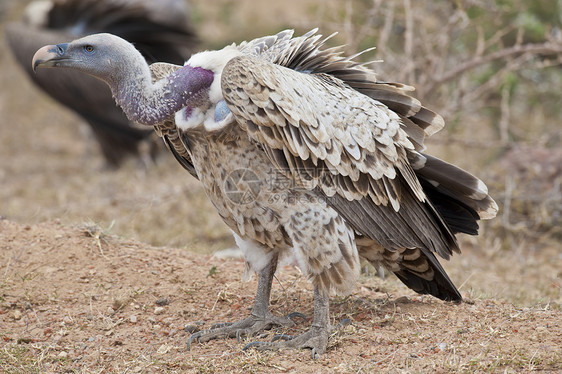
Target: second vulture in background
[(160, 30)]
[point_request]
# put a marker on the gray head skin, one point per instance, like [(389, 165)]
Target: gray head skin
[(122, 67)]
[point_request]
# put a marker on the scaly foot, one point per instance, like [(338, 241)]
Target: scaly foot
[(316, 339), (250, 326)]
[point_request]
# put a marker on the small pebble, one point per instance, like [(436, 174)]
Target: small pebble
[(163, 349), (163, 301), (67, 320), (151, 319), (403, 300), (63, 354), (17, 314), (191, 329), (442, 346), (158, 310), (541, 332), (133, 318)]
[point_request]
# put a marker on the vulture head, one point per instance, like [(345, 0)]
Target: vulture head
[(100, 55), (123, 68)]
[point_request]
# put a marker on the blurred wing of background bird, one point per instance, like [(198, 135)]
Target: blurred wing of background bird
[(160, 30)]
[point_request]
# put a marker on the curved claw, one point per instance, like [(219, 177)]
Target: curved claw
[(295, 315), (238, 335), (315, 355), (343, 323), (284, 337), (192, 338)]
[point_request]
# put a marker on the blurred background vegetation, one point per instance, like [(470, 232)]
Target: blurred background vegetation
[(491, 68)]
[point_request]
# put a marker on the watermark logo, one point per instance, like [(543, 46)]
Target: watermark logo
[(242, 186)]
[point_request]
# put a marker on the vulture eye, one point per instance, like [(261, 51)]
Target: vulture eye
[(88, 49)]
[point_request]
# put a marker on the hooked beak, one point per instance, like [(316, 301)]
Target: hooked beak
[(50, 56)]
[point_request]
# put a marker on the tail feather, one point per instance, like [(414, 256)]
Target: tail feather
[(421, 271), (453, 178), (458, 216), (437, 288), (455, 191), (417, 268)]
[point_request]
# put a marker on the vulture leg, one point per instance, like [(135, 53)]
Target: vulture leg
[(316, 338), (261, 318)]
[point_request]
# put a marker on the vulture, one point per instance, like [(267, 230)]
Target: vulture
[(160, 30), (305, 155)]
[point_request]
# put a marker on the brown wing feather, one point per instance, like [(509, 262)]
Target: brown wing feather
[(334, 118)]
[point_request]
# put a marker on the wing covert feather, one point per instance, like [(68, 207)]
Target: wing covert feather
[(303, 113)]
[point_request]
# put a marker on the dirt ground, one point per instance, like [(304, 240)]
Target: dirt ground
[(100, 271), (76, 300)]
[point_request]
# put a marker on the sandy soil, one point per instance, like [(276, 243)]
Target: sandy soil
[(73, 299)]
